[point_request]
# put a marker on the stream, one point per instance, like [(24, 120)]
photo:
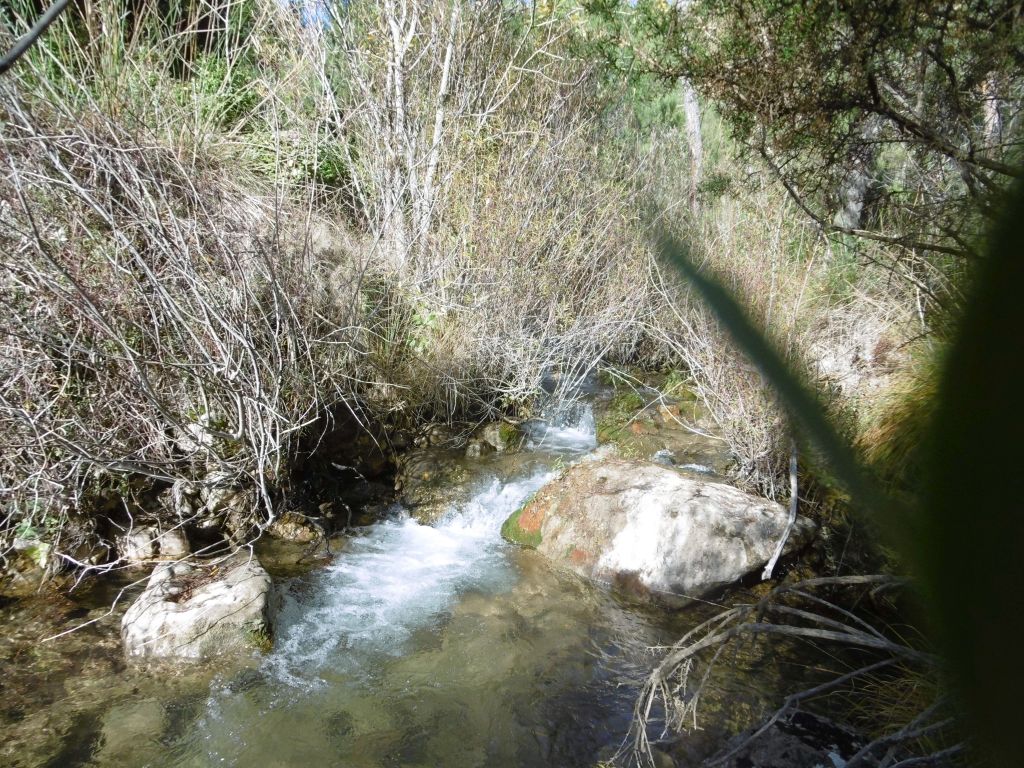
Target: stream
[(416, 645), (435, 645)]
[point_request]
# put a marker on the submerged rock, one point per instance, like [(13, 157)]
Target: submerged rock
[(797, 740), (650, 530), (198, 611)]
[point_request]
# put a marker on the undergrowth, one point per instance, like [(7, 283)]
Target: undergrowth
[(213, 246)]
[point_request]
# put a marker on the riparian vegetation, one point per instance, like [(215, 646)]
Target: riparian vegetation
[(224, 222)]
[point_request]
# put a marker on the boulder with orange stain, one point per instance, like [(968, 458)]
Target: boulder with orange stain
[(654, 531)]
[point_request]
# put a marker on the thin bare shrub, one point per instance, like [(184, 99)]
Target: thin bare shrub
[(815, 612), (838, 316), (165, 319), (509, 250)]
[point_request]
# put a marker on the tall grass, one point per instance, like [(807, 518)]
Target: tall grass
[(839, 317)]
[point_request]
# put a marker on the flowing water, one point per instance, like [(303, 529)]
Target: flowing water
[(416, 645), (434, 645)]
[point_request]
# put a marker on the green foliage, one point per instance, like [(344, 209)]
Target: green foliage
[(331, 165), (227, 92), (423, 325), (260, 638), (37, 533), (913, 97), (677, 384)]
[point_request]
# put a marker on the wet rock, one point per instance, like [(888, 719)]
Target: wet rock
[(227, 507), (29, 562), (291, 526), (181, 499), (284, 559), (196, 611), (649, 530), (476, 448), (434, 435), (172, 544), (78, 541), (138, 545), (500, 436), (797, 740), (218, 492), (430, 481)]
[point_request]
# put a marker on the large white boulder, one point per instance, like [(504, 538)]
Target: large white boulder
[(651, 530), (196, 611)]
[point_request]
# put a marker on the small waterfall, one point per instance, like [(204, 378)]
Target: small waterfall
[(390, 582), (401, 575), (411, 627), (570, 428)]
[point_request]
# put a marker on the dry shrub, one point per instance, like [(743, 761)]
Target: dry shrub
[(827, 311), (181, 309), (508, 250), (887, 681), (897, 424), (168, 317)]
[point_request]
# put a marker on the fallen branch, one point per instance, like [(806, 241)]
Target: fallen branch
[(767, 574)]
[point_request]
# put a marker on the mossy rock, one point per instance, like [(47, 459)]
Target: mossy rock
[(626, 402), (511, 435), (621, 428), (512, 531), (617, 414), (260, 637)]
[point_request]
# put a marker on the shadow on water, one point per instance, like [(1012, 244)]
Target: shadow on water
[(80, 744)]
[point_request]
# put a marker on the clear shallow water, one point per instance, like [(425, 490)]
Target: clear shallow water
[(415, 646), (423, 646), (398, 578)]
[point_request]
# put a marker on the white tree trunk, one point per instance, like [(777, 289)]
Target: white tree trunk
[(691, 111)]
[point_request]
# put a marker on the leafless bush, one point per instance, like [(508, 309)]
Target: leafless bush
[(810, 611), (828, 312), (472, 132), (174, 313), (164, 319)]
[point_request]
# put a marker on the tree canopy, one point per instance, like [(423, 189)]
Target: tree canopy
[(896, 121)]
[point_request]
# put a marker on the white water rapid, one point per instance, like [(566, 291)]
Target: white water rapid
[(413, 629), (401, 575), (398, 577)]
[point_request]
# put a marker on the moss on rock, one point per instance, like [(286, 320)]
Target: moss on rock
[(616, 415), (512, 531), (510, 435), (260, 637)]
